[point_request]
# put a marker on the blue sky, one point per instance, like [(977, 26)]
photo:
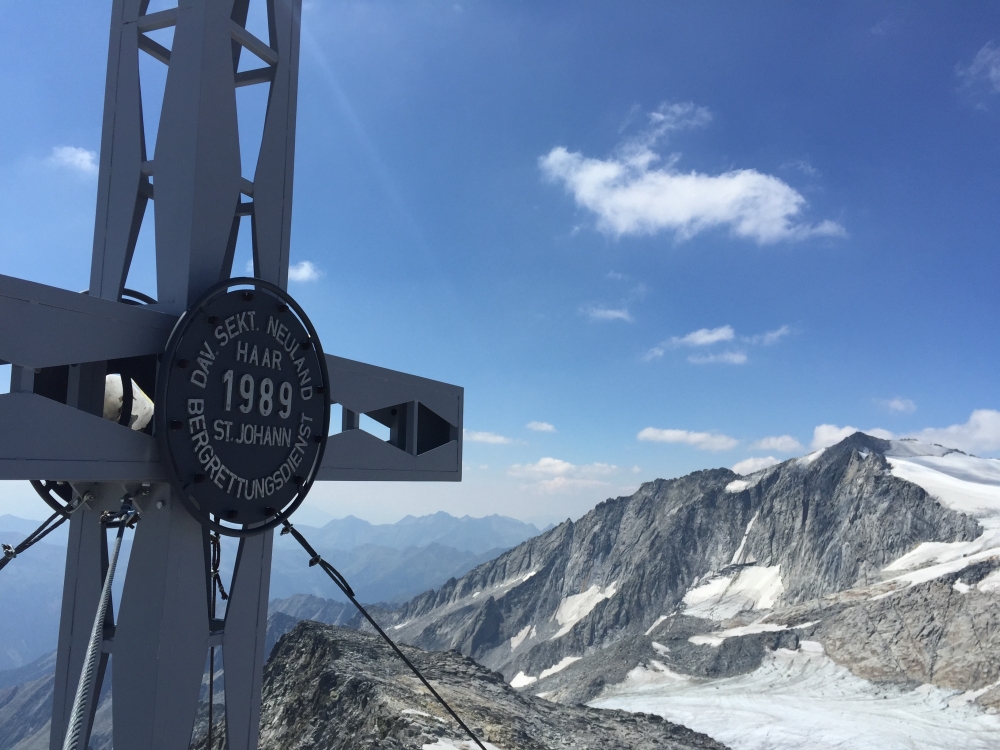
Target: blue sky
[(672, 235)]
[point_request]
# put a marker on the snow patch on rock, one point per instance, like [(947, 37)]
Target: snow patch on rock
[(446, 744), (522, 680), (738, 556), (563, 663), (715, 639), (656, 624), (574, 608), (737, 485), (528, 631), (754, 587), (808, 459)]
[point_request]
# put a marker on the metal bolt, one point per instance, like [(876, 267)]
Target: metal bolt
[(182, 363), (88, 497), (160, 504)]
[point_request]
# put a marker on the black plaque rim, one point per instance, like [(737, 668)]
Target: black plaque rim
[(160, 412)]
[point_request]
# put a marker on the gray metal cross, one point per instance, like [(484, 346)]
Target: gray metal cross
[(62, 346)]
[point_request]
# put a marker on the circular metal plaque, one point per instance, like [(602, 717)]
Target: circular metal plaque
[(242, 411)]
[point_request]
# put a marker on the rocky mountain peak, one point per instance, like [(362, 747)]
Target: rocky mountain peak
[(710, 546)]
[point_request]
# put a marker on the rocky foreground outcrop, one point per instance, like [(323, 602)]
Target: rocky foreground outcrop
[(333, 688)]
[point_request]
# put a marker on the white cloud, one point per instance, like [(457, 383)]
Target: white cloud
[(541, 427), (486, 437), (552, 475), (900, 405), (706, 441), (726, 358), (983, 73), (630, 195), (705, 336), (73, 157), (636, 469), (304, 271), (604, 313), (981, 434), (779, 443), (750, 465), (825, 435)]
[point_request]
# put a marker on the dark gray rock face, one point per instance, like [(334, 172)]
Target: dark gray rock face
[(930, 633), (827, 523), (332, 688)]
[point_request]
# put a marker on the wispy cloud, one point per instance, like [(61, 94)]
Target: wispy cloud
[(981, 77), (769, 338), (707, 337), (706, 441), (72, 157), (605, 314), (552, 475), (541, 427), (631, 195), (779, 443), (486, 437), (724, 358), (750, 465), (304, 271), (898, 405), (802, 166)]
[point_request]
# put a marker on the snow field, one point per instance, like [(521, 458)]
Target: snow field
[(966, 484), (802, 699)]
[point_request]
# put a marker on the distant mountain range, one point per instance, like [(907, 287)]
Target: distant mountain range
[(383, 562)]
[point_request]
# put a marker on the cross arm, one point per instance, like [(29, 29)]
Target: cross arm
[(43, 439), (424, 418), (44, 326)]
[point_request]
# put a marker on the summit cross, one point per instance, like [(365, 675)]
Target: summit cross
[(183, 471)]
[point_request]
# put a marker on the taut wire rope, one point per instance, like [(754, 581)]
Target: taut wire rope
[(79, 714), (315, 559)]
